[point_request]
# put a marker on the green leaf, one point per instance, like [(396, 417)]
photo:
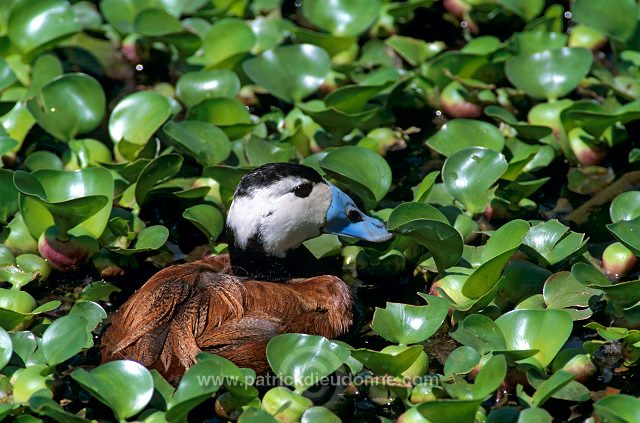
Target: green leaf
[(343, 17), (526, 9), (431, 229), (121, 14), (319, 415), (409, 324), (562, 290), (69, 105), (481, 333), (549, 74), (304, 359), (64, 338), (619, 408), (193, 87), (290, 72), (361, 171), (625, 206), (33, 25), (461, 361), (124, 386), (324, 245), (77, 201), (459, 134), (156, 22), (157, 170), (617, 19), (535, 415), (490, 377), (388, 363), (227, 38), (552, 242), (556, 382), (414, 51), (135, 119), (44, 406), (524, 129), (98, 291), (7, 77), (352, 98), (207, 144), (27, 382), (92, 312), (495, 255), (450, 411), (469, 174), (206, 218), (197, 385), (530, 329), (6, 348), (149, 239)]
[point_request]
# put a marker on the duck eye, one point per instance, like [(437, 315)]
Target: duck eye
[(354, 216), (303, 190)]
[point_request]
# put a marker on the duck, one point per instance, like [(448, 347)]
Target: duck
[(268, 283)]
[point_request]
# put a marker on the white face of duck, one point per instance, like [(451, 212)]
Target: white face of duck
[(293, 209)]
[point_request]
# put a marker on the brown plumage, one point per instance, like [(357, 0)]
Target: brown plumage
[(201, 306)]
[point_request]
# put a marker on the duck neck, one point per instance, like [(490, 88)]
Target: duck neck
[(254, 263)]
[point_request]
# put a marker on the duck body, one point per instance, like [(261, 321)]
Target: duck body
[(231, 305)]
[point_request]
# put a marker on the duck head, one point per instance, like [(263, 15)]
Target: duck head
[(278, 206)]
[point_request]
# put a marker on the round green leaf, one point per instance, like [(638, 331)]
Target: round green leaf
[(619, 408), (481, 333), (124, 386), (6, 348), (156, 22), (78, 201), (625, 206), (64, 338), (43, 160), (361, 170), (616, 18), (530, 42), (34, 24), (628, 233), (27, 382), (121, 14), (227, 38), (526, 9), (458, 134), (461, 361), (206, 218), (342, 17), (135, 119), (303, 360), (290, 72), (69, 105), (193, 87), (92, 312), (549, 74), (530, 329), (409, 324), (319, 415), (201, 140), (469, 175)]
